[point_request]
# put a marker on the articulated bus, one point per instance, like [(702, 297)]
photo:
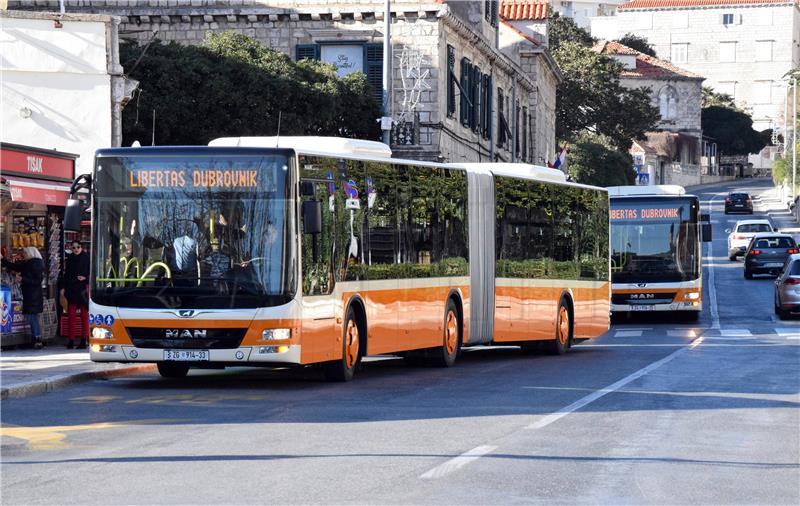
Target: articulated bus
[(296, 251), (656, 249)]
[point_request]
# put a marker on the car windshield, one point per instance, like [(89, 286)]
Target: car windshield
[(753, 228), (654, 240), (774, 242), (739, 195), (209, 232)]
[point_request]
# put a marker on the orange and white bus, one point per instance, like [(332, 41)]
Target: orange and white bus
[(656, 249), (300, 250)]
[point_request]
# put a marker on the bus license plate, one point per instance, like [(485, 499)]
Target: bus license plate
[(643, 308), (186, 355)]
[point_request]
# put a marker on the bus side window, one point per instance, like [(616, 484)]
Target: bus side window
[(317, 249)]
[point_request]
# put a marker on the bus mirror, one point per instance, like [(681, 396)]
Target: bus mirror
[(306, 189), (73, 215), (312, 217), (705, 231), (705, 217)]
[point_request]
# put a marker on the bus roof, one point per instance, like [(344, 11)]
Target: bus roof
[(332, 146), (635, 191), (519, 170)]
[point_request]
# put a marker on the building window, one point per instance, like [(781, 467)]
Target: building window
[(451, 85), (490, 11), (764, 50), (727, 19), (679, 53), (668, 103), (349, 58), (762, 92), (727, 52)]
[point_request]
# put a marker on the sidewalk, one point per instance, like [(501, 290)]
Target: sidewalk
[(31, 372)]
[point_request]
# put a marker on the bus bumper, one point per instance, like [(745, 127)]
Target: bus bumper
[(649, 308), (244, 355)]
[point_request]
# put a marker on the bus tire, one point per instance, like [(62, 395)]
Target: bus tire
[(563, 340), (445, 356), (343, 369), (171, 370)]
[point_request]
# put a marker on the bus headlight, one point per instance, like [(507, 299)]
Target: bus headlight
[(692, 296), (276, 334), (101, 333)]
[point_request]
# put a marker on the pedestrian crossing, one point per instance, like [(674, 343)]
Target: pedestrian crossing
[(731, 333)]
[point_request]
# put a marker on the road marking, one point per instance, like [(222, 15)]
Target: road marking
[(712, 288), (547, 420), (788, 333), (736, 332), (458, 462), (682, 333), (628, 333), (51, 438)]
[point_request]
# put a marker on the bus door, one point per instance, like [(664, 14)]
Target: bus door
[(317, 249)]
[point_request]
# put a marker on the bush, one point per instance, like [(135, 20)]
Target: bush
[(592, 161)]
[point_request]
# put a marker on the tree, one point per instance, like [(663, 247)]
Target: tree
[(594, 160), (732, 130), (562, 29), (710, 98), (233, 86), (591, 98), (638, 43)]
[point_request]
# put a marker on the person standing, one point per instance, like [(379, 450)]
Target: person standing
[(76, 283), (32, 270)]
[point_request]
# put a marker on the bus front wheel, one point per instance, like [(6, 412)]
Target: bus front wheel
[(563, 340), (172, 370), (344, 368)]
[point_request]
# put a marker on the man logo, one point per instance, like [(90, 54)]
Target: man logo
[(185, 333), (186, 313), (640, 296)]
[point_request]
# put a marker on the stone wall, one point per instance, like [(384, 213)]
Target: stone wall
[(689, 101)]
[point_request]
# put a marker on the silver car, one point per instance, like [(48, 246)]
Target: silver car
[(787, 288)]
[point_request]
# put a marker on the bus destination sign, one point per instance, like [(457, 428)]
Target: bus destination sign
[(645, 213), (193, 178)]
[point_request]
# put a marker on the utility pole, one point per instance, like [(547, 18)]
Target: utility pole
[(386, 119), (794, 138), (785, 119)]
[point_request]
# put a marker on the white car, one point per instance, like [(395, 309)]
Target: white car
[(742, 232)]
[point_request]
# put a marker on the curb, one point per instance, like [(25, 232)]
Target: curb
[(55, 383)]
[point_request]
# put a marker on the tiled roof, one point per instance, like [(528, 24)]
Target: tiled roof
[(515, 10), (647, 67), (673, 4)]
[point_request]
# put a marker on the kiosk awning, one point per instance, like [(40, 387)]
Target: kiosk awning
[(35, 192)]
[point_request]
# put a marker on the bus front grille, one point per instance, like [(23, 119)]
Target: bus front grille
[(643, 298), (186, 338)]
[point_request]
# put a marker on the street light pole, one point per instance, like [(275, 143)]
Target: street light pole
[(387, 72), (794, 138)]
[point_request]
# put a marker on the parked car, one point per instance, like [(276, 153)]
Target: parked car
[(738, 202), (767, 253), (787, 289), (744, 230)]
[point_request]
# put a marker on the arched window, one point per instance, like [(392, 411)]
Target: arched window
[(668, 103)]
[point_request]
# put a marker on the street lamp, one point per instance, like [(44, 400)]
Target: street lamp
[(386, 119)]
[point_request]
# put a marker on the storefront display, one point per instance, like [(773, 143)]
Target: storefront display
[(36, 184)]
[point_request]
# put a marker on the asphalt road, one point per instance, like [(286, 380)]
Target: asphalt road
[(653, 412)]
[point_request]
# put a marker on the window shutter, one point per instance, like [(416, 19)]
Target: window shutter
[(451, 86), (501, 132), (373, 68), (465, 99), (489, 116), (310, 51), (475, 93)]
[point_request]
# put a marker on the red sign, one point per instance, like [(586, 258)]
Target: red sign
[(34, 164), (35, 192)]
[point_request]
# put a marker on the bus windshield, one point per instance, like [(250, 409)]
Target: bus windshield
[(205, 232), (654, 240)]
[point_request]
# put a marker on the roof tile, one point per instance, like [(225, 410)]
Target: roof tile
[(673, 4), (647, 67), (515, 10)]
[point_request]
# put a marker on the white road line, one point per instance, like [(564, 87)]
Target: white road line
[(788, 333), (628, 333), (712, 288), (683, 333), (457, 462), (547, 420), (736, 332)]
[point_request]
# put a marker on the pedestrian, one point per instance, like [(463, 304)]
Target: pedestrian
[(32, 270), (76, 283)]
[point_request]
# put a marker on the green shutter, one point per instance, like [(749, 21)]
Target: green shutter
[(451, 86), (465, 87), (373, 68), (310, 51)]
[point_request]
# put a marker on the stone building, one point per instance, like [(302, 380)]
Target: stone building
[(455, 96), (677, 152)]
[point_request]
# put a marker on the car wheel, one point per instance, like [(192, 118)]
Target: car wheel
[(732, 257), (783, 314), (776, 304), (748, 274)]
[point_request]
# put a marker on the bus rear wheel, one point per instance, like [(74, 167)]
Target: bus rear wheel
[(171, 370), (451, 338), (563, 340), (344, 368)]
